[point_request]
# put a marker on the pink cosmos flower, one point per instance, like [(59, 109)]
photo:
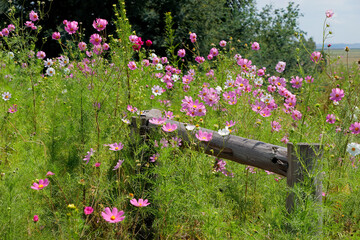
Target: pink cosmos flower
[(82, 46), (309, 79), (355, 128), (132, 65), (158, 121), (336, 94), (116, 146), (97, 164), (296, 82), (133, 38), (105, 46), (222, 43), (50, 173), (40, 55), (99, 24), (5, 32), (315, 57), (13, 109), (214, 52), (255, 46), (169, 127), (33, 16), (113, 216), (88, 156), (331, 118), (193, 37), (230, 124), (118, 164), (285, 139), (131, 109), (280, 67), (36, 218), (148, 43), (154, 157), (88, 210), (275, 126), (56, 36), (95, 39), (200, 59), (11, 27), (42, 183), (204, 136), (181, 53), (209, 57), (139, 203), (329, 13), (30, 25), (296, 115), (71, 27)]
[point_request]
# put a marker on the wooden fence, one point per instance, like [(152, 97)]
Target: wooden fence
[(293, 162)]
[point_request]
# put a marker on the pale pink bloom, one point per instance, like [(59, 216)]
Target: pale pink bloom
[(29, 24), (275, 126), (33, 16), (193, 37), (158, 121), (214, 52), (209, 57), (296, 115), (82, 46), (118, 164), (116, 146), (88, 156), (40, 55), (50, 173), (5, 32), (42, 183), (71, 27), (113, 216), (139, 203), (309, 79), (200, 59), (133, 38), (280, 67), (230, 124), (355, 128), (105, 46), (329, 13), (204, 136), (95, 39), (100, 24), (336, 94), (132, 65), (285, 139), (315, 57), (331, 118), (296, 82), (169, 127), (56, 36), (88, 210), (13, 109), (169, 114), (11, 27), (222, 43), (131, 109), (255, 46)]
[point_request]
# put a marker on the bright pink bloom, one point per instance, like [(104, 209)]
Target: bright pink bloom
[(315, 57), (222, 43), (296, 82), (97, 164), (42, 183), (214, 52), (336, 94), (50, 173), (33, 16), (296, 115), (355, 128), (56, 36), (40, 55), (181, 53), (255, 46), (309, 79), (193, 37), (139, 203), (131, 109), (71, 27), (13, 109), (132, 65), (148, 43), (36, 218), (154, 157), (200, 59), (230, 124), (331, 118), (133, 38), (204, 136), (329, 13), (88, 210), (11, 27), (82, 46), (5, 32), (116, 146), (95, 39), (30, 25), (100, 24), (105, 46), (113, 216), (169, 127)]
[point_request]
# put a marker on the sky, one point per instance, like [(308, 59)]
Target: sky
[(345, 24)]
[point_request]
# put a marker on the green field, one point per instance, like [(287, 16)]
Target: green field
[(352, 56)]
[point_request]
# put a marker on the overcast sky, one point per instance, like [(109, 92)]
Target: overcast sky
[(345, 24)]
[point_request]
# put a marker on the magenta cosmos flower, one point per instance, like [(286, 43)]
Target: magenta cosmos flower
[(95, 39), (56, 36), (255, 46), (336, 94), (331, 118), (88, 210), (113, 216), (71, 27), (139, 203), (116, 146), (204, 136), (132, 65), (181, 53), (169, 127), (355, 128), (36, 218), (193, 37), (33, 16), (100, 24), (42, 183), (222, 43)]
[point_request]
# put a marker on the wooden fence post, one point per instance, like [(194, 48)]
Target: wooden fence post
[(303, 159)]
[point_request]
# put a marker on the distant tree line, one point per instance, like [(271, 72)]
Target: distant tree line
[(276, 30)]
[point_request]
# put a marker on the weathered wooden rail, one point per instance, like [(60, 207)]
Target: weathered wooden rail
[(293, 162)]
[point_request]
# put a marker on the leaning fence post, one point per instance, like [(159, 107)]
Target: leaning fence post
[(303, 159)]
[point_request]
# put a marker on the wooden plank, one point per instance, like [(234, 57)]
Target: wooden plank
[(241, 150)]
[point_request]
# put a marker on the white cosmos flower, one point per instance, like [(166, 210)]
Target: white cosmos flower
[(6, 96), (66, 71), (153, 55), (11, 55), (159, 66), (218, 89), (48, 62), (353, 149), (125, 121), (190, 127), (224, 132), (175, 77), (156, 90), (50, 71)]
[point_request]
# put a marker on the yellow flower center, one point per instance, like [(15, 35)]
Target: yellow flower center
[(140, 204), (112, 217), (116, 148), (41, 186)]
